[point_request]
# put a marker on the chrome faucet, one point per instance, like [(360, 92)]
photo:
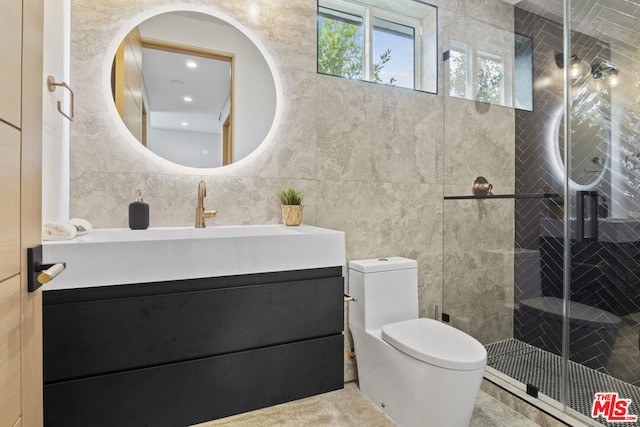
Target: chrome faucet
[(201, 214)]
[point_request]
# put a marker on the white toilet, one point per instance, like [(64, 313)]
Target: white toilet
[(419, 372)]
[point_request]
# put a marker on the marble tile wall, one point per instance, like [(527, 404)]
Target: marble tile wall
[(478, 256), (369, 158)]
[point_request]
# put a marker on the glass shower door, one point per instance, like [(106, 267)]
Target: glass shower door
[(496, 124), (545, 269), (603, 143)]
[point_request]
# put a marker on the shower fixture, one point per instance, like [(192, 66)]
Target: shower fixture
[(598, 70), (606, 69), (598, 164), (579, 67), (559, 57)]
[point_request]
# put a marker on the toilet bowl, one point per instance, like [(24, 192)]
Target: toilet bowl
[(419, 372)]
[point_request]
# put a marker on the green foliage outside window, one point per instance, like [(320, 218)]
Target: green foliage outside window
[(378, 66), (340, 51), (458, 74), (489, 74), (489, 78)]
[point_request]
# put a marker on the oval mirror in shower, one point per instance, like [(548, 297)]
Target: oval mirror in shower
[(590, 135)]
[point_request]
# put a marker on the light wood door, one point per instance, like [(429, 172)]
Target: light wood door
[(10, 390), (10, 52), (20, 211), (128, 84)]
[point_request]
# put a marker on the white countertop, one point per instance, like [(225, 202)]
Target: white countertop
[(123, 256)]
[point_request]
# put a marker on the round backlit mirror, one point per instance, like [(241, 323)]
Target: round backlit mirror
[(193, 89), (589, 131), (589, 149)]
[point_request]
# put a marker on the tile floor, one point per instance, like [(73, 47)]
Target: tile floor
[(349, 408), (531, 365), (624, 362)]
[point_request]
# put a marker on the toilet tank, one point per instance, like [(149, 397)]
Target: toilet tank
[(385, 291)]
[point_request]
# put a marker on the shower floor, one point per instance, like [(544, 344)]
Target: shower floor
[(531, 365)]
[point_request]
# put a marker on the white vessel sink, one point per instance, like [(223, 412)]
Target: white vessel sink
[(123, 256)]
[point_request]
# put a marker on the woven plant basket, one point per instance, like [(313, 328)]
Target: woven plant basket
[(292, 214)]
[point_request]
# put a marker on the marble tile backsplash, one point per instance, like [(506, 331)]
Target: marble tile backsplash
[(371, 159)]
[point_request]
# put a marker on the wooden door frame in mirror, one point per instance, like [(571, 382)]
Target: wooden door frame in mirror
[(228, 152)]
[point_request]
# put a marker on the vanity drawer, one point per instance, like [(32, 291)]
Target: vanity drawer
[(92, 337), (192, 392)]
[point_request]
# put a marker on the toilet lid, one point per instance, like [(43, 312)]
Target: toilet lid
[(436, 343)]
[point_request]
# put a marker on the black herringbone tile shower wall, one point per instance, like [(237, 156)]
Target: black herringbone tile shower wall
[(604, 291)]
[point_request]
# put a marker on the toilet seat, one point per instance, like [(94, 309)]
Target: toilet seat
[(436, 343)]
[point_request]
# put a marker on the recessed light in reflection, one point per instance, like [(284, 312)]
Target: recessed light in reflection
[(184, 124), (192, 64), (187, 99)]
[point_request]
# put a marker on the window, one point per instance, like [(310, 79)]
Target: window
[(363, 42), (459, 76), (490, 75), (393, 53), (523, 73), (474, 74), (499, 74), (340, 44)]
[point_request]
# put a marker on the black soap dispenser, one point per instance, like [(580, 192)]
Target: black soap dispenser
[(138, 213)]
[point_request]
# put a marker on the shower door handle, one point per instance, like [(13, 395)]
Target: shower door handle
[(593, 216)]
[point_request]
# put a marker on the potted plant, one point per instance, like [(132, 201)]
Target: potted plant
[(291, 205), (556, 207)]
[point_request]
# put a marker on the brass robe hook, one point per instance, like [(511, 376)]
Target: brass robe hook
[(481, 187)]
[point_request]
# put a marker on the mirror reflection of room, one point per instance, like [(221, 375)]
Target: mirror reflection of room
[(179, 103), (182, 95)]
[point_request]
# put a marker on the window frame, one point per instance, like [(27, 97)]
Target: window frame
[(368, 13), (472, 82), (348, 9)]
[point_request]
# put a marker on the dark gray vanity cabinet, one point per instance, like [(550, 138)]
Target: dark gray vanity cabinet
[(184, 352)]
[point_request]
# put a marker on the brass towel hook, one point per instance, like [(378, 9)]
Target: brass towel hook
[(51, 85), (481, 187)]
